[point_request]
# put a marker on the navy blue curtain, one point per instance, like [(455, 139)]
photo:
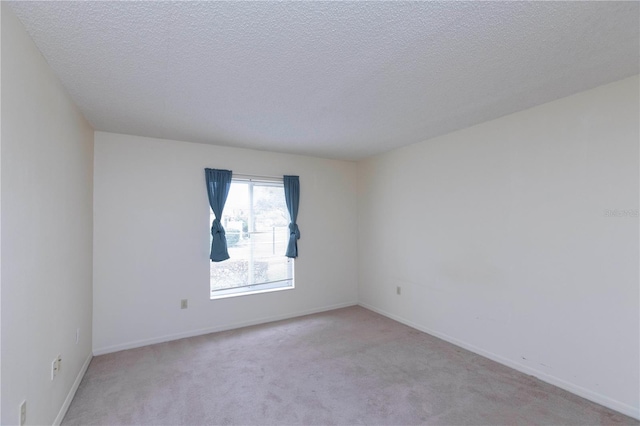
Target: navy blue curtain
[(218, 184), (292, 197)]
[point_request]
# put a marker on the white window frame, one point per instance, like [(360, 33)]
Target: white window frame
[(268, 287)]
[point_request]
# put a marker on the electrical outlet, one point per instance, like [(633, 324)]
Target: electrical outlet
[(398, 290), (54, 368), (59, 360), (184, 304), (23, 413)]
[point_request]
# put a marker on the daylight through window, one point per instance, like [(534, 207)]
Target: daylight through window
[(256, 222)]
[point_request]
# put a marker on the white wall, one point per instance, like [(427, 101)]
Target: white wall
[(498, 237), (151, 240), (47, 160)]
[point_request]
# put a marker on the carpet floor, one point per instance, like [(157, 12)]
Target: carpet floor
[(350, 366)]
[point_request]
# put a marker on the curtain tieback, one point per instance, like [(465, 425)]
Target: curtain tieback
[(216, 228), (293, 229)]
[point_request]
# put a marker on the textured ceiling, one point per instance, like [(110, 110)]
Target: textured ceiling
[(331, 79)]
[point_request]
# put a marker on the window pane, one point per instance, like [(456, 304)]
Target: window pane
[(256, 222)]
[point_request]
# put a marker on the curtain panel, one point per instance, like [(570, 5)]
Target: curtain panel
[(292, 197), (218, 185)]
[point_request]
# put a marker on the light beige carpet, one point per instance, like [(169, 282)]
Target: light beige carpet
[(348, 366)]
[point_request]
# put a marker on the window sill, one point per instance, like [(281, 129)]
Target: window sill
[(250, 292)]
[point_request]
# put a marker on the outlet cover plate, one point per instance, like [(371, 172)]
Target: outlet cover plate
[(54, 368)]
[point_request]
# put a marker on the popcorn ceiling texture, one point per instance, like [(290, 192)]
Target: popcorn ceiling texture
[(332, 79)]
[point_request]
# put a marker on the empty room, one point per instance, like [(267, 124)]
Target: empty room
[(320, 213)]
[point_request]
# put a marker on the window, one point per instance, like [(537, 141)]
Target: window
[(256, 223)]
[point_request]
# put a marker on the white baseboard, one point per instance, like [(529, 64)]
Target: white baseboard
[(72, 392), (563, 384), (198, 332)]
